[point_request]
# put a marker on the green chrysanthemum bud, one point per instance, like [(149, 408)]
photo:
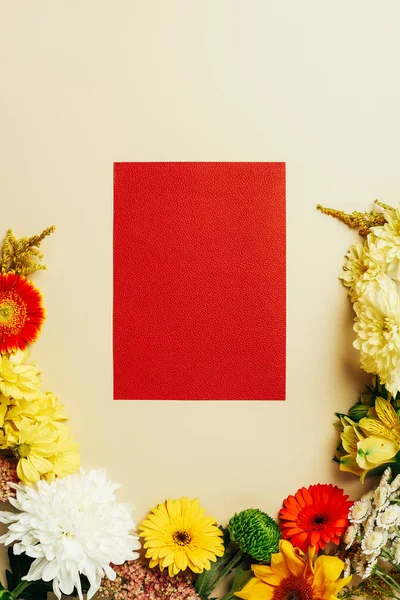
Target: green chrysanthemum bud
[(256, 533)]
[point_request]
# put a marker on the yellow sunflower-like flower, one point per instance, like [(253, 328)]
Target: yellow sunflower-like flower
[(18, 379), (363, 265), (178, 536), (292, 576), (377, 325)]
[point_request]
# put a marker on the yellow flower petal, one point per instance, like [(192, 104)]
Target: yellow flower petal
[(374, 451), (255, 590)]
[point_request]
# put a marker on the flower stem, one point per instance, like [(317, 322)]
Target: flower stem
[(388, 580), (20, 588), (235, 560)]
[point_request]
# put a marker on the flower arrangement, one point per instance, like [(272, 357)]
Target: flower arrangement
[(68, 533)]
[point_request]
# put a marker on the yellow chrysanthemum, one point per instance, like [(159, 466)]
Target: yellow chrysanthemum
[(388, 242), (66, 459), (5, 402), (33, 444), (363, 265), (292, 576), (43, 409), (17, 379), (377, 325), (178, 535)]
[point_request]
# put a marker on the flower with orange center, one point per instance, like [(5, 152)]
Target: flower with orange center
[(315, 516), (292, 577), (21, 312)]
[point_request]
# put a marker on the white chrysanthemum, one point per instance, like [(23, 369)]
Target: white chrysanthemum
[(347, 568), (388, 242), (374, 540), (367, 496), (363, 265), (359, 511), (350, 535), (17, 379), (385, 478), (389, 517), (71, 526), (370, 523), (378, 331), (362, 566), (381, 496), (396, 551), (395, 487)]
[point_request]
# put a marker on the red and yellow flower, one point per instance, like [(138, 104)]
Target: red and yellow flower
[(21, 312), (315, 516), (291, 576)]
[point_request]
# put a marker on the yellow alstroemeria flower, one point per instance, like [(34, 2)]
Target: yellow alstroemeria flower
[(292, 576), (382, 421), (373, 441), (375, 451)]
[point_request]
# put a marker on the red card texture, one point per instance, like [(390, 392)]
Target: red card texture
[(199, 281)]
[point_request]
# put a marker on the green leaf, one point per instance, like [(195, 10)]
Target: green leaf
[(242, 577), (205, 581), (20, 565)]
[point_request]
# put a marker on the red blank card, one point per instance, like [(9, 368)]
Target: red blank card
[(199, 281)]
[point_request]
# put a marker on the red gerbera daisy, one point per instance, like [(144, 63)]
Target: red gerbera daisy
[(21, 312), (315, 516)]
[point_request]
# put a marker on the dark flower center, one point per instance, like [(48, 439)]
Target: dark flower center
[(293, 588), (182, 538), (319, 520)]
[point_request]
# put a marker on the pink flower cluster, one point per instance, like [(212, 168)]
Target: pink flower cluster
[(8, 474), (136, 581)]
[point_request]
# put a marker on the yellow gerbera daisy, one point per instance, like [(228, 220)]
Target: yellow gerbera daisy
[(178, 535), (291, 576)]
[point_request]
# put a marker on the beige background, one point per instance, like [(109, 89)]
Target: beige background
[(86, 83)]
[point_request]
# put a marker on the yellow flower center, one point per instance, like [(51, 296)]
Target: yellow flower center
[(293, 588), (22, 450), (12, 312), (182, 538)]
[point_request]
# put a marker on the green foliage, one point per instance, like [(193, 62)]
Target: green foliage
[(242, 576), (20, 565)]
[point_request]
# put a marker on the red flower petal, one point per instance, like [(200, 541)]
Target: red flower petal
[(315, 516), (21, 312)]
